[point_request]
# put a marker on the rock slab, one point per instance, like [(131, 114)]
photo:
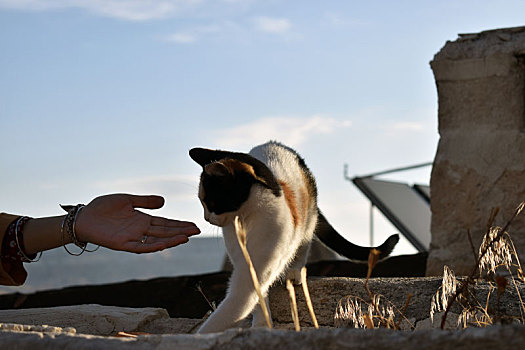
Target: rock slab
[(497, 337), (89, 319), (480, 161)]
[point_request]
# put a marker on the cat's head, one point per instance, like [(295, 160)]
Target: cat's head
[(226, 181)]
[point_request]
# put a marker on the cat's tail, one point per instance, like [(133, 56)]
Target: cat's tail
[(331, 238)]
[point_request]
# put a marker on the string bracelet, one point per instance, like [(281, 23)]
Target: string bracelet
[(19, 241), (68, 228)]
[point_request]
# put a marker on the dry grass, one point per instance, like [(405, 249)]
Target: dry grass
[(377, 312), (211, 304), (293, 305), (497, 262), (241, 238), (307, 297)]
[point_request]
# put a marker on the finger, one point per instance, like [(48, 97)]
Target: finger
[(167, 232), (146, 202), (161, 221)]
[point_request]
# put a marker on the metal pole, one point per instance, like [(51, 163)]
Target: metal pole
[(371, 224)]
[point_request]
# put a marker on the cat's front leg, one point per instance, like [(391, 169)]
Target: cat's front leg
[(230, 312), (238, 304), (258, 315)]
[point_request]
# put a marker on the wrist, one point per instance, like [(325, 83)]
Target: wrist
[(79, 227), (65, 238), (13, 249), (42, 234), (69, 229)]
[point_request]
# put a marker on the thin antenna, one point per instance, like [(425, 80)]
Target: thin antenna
[(384, 172), (372, 224)]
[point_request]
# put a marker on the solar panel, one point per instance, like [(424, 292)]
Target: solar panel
[(406, 207)]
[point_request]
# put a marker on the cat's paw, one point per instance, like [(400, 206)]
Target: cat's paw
[(259, 320)]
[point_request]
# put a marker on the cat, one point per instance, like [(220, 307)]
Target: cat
[(275, 195)]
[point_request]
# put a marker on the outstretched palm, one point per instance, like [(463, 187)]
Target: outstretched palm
[(113, 221)]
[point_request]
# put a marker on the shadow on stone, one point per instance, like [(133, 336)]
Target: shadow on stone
[(180, 296)]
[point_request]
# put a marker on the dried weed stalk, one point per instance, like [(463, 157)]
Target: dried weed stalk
[(293, 305), (373, 313), (240, 233), (306, 293), (198, 288), (496, 253), (241, 238)]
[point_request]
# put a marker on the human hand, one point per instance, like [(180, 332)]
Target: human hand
[(112, 222)]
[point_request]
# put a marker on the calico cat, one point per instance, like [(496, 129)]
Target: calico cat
[(275, 196)]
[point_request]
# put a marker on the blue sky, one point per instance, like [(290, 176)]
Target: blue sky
[(108, 96)]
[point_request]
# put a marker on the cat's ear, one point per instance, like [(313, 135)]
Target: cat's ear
[(204, 156), (263, 182), (216, 169)]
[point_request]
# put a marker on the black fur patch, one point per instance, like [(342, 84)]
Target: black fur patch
[(205, 156), (226, 193)]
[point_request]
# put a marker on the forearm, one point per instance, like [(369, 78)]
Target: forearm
[(43, 234), (110, 221)]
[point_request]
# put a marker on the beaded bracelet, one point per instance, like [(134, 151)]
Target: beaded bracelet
[(18, 232), (68, 226)]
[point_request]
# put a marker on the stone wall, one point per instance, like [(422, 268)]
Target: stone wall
[(480, 161), (96, 326)]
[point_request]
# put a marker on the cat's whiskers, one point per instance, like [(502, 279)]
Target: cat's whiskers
[(209, 229)]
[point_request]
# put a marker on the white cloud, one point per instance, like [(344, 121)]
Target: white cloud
[(272, 25), (292, 131), (181, 38), (146, 10), (194, 34), (227, 29), (133, 10), (340, 20)]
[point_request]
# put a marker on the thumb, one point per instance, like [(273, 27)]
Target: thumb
[(146, 202)]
